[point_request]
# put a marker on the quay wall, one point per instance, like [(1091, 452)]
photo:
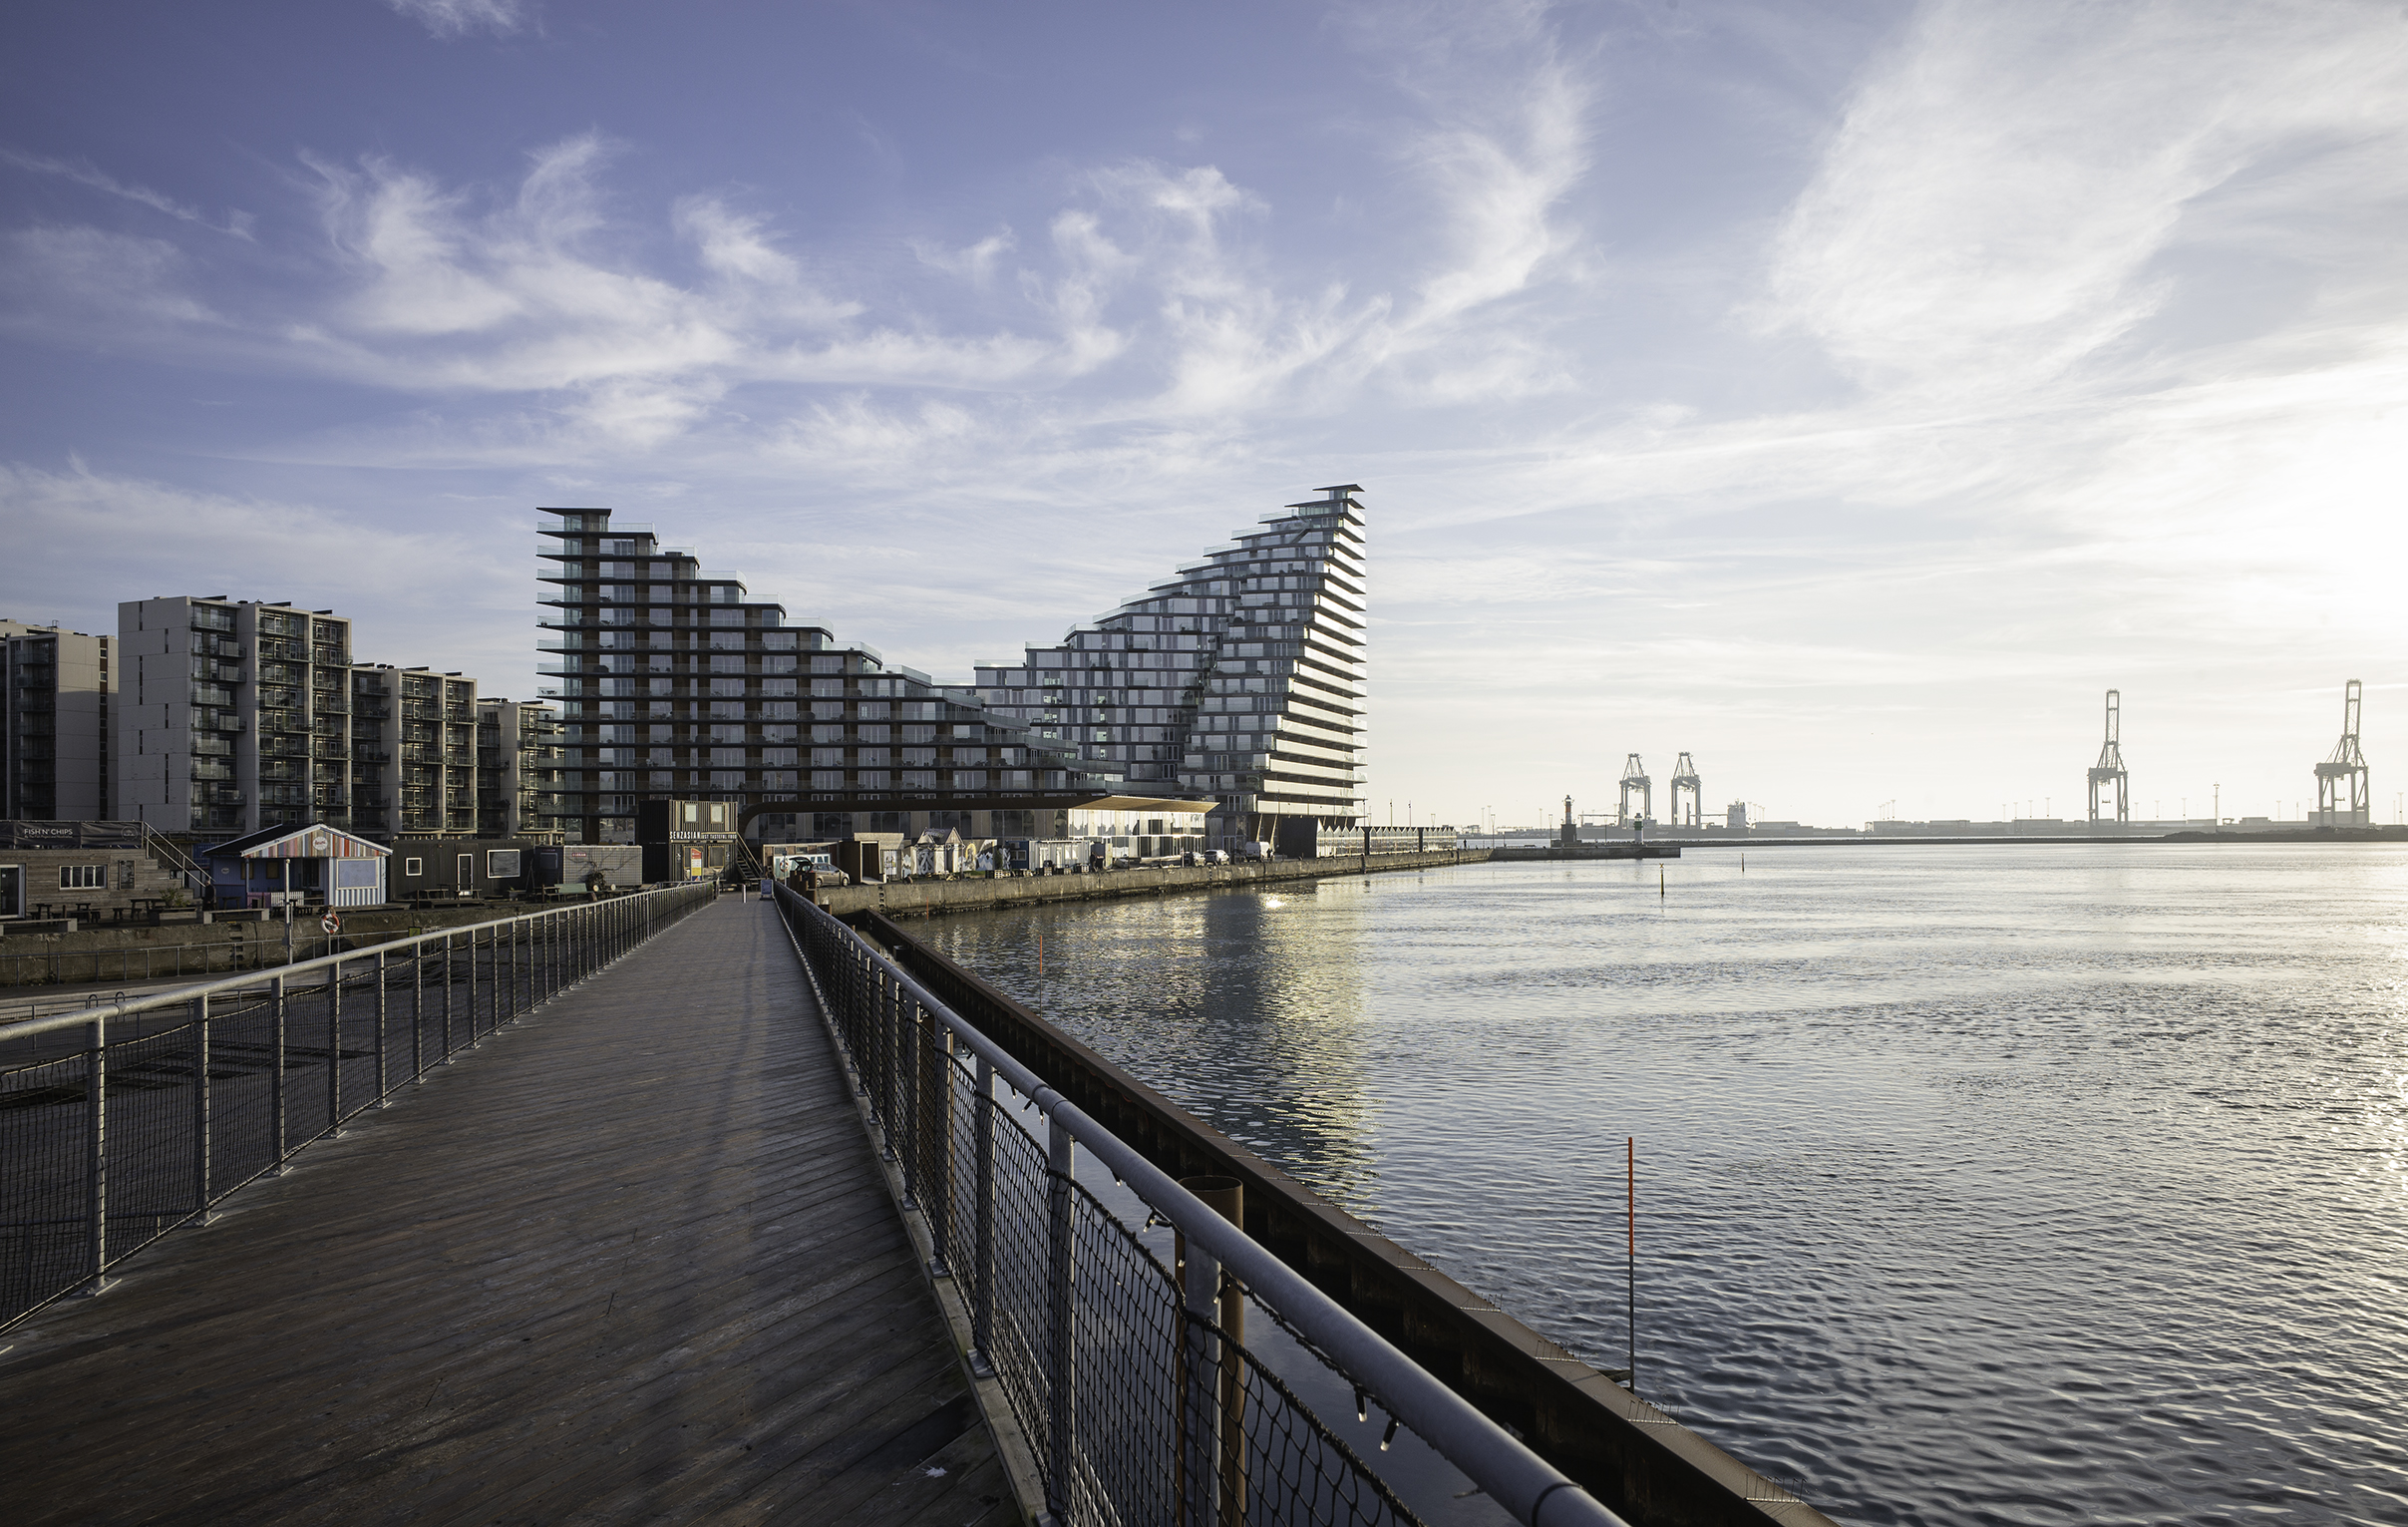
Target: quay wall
[(927, 898), (222, 947), (1628, 1455)]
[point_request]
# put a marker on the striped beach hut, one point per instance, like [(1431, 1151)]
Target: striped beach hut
[(325, 863)]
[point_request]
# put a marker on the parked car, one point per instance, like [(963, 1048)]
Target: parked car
[(1217, 856)]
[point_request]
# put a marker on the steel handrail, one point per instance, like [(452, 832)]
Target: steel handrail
[(178, 997), (1532, 1490)]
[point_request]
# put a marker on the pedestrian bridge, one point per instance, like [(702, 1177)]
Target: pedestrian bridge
[(678, 1207)]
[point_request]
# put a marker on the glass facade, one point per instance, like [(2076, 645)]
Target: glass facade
[(1240, 680)]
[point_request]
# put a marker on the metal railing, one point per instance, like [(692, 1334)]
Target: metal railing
[(147, 1111), (1131, 1378)]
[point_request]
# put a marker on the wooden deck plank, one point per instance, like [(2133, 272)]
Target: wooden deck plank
[(631, 1260)]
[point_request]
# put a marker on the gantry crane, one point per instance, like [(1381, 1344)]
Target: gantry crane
[(1684, 778), (2109, 770), (1634, 777), (2347, 765)]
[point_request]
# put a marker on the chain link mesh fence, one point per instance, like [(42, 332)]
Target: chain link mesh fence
[(114, 1132), (1138, 1408)]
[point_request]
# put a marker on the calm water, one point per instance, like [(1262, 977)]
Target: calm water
[(2024, 1185)]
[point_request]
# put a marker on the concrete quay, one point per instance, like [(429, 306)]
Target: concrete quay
[(927, 898)]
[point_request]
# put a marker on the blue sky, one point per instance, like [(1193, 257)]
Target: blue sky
[(1844, 393)]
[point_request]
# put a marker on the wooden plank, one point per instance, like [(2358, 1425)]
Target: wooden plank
[(631, 1259)]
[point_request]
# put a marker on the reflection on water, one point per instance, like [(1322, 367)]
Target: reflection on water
[(1258, 998), (2016, 1184)]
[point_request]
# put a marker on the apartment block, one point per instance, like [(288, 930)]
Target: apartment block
[(413, 751), (231, 715), (517, 767), (1239, 679), (673, 682), (53, 725)]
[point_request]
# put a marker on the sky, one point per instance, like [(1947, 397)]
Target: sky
[(1844, 393)]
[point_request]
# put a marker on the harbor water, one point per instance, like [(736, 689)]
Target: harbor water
[(2012, 1184)]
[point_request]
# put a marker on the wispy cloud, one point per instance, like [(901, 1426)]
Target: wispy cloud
[(84, 173), (458, 17)]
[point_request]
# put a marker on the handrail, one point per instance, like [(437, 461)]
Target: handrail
[(1534, 1490), (178, 997)]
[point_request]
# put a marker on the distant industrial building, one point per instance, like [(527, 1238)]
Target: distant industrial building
[(53, 723)]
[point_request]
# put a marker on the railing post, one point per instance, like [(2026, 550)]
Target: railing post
[(513, 980), (1061, 1338), (936, 1166), (982, 1291), (908, 1087), (447, 1001), (334, 1047), (473, 1039), (275, 1078), (200, 1107), (96, 1158), (418, 1010), (380, 1028)]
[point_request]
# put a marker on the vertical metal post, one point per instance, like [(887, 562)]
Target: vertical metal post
[(908, 1087), (982, 1291), (200, 1106), (418, 1010), (472, 988), (334, 1047), (96, 1158), (446, 999), (1061, 1338), (513, 986), (937, 1167), (380, 1027), (276, 1080)]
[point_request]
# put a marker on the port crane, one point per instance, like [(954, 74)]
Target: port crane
[(1685, 780), (2342, 777), (1634, 777), (2109, 770)]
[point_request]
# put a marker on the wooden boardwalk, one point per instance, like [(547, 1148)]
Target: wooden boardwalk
[(631, 1260)]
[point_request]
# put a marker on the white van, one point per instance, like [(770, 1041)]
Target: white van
[(1255, 853)]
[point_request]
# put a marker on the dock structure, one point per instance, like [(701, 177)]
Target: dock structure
[(632, 1259), (685, 1207)]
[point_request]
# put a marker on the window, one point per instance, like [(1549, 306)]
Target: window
[(778, 686), (501, 864), (411, 868), (82, 877), (727, 687)]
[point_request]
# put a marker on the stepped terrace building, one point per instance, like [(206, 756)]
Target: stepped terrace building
[(673, 684), (1239, 679)]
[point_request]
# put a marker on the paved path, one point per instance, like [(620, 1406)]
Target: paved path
[(631, 1260)]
